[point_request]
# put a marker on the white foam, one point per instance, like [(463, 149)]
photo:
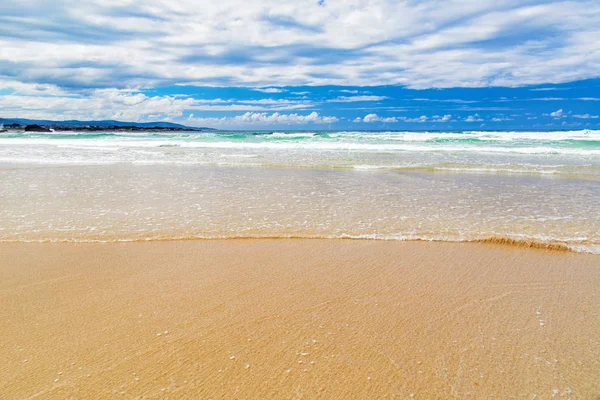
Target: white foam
[(112, 144)]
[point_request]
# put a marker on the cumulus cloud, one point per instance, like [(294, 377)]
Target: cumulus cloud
[(473, 118), (376, 118), (269, 43), (557, 114), (313, 117), (265, 119), (444, 118)]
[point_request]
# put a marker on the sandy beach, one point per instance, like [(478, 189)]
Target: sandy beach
[(297, 319), (372, 199)]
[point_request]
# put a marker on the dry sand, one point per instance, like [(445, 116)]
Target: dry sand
[(297, 319)]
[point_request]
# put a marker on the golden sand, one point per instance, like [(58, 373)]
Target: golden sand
[(297, 319)]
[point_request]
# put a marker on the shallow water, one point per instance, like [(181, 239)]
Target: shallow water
[(151, 202)]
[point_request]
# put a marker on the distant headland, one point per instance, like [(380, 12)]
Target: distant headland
[(32, 125)]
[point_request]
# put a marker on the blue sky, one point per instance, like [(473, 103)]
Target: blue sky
[(270, 64)]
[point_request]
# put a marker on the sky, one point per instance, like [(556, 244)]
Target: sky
[(304, 64)]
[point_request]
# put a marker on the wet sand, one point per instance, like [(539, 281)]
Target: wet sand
[(297, 319)]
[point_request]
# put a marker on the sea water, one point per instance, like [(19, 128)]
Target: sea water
[(455, 186)]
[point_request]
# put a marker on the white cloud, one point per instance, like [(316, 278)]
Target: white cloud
[(274, 103), (50, 102), (458, 101), (263, 119), (268, 43), (354, 99), (501, 119), (473, 118), (32, 89), (101, 104), (557, 114), (444, 118), (586, 116), (376, 118), (547, 89), (421, 119), (270, 90)]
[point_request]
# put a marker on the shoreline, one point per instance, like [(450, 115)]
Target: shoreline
[(161, 202), (297, 318), (491, 241)]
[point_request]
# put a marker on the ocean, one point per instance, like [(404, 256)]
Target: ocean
[(536, 187)]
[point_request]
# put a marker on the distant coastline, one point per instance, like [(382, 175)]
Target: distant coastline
[(11, 124), (91, 128)]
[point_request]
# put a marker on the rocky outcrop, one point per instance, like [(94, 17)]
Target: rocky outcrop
[(36, 128)]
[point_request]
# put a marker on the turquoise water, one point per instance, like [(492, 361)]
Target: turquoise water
[(552, 152), (451, 186)]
